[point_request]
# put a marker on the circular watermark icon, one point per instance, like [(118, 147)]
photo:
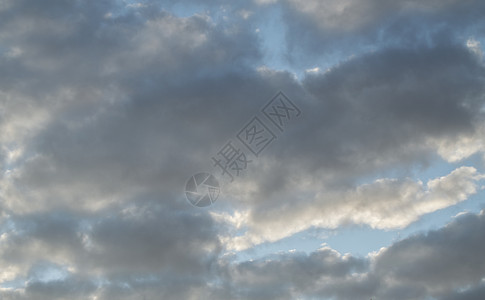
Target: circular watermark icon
[(202, 189)]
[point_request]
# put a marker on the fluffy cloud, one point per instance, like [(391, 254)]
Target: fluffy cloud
[(383, 204), (107, 108), (382, 111), (433, 264), (438, 261)]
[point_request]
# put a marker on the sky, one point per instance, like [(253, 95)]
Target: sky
[(340, 144)]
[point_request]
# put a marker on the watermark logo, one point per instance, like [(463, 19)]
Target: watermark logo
[(202, 189), (234, 157)]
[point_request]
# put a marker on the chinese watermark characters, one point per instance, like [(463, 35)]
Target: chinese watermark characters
[(235, 156)]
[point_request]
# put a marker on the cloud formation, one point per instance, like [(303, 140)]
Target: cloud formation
[(107, 108)]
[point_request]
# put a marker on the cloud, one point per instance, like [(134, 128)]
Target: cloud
[(440, 260), (107, 108), (436, 263), (390, 110), (432, 264), (473, 293), (323, 33), (73, 147), (352, 15), (383, 204)]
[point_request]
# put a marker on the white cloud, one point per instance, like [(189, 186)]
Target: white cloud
[(464, 146), (313, 70), (383, 204), (475, 47)]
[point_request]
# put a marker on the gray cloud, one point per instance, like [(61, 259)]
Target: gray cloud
[(106, 109), (320, 33), (392, 109), (473, 293), (440, 260), (432, 264)]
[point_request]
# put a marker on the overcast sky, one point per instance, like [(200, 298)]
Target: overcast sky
[(372, 186)]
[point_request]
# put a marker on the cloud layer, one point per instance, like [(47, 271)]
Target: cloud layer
[(107, 108)]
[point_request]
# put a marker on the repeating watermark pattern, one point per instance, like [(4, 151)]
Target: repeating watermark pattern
[(231, 160), (280, 109), (256, 136)]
